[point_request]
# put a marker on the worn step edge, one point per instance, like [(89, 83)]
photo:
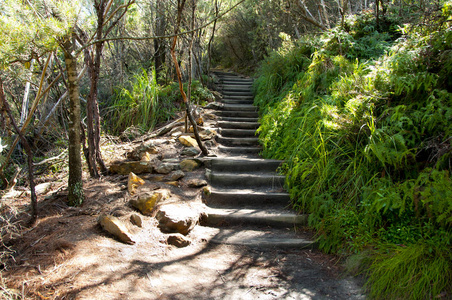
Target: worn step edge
[(225, 217), (242, 165), (241, 198), (238, 125), (237, 119), (234, 132), (233, 141), (240, 150)]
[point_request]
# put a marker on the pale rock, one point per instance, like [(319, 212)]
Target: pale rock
[(190, 151), (188, 141), (142, 151), (173, 183), (195, 183), (178, 240), (137, 167), (164, 168), (176, 175), (174, 218), (43, 188), (116, 228), (136, 220), (188, 165), (146, 202), (133, 182)]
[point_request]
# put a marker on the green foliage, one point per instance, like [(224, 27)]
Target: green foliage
[(139, 105), (363, 121), (145, 104)]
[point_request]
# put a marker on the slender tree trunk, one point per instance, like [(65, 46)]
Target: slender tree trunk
[(34, 201), (75, 184), (25, 101), (159, 44), (180, 7), (209, 46)]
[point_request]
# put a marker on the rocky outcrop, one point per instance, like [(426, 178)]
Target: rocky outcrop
[(196, 182)]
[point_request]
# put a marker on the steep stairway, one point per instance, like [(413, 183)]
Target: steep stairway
[(248, 202)]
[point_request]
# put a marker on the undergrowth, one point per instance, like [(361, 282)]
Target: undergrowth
[(143, 103), (363, 119)]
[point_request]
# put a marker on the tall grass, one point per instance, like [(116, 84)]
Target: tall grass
[(139, 104)]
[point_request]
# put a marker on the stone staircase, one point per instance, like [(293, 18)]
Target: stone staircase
[(248, 202)]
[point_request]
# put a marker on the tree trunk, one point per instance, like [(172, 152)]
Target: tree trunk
[(25, 101), (159, 44), (75, 184), (209, 46)]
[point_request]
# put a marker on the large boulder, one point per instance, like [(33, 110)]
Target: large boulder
[(116, 228), (177, 218), (188, 165), (137, 167), (147, 201)]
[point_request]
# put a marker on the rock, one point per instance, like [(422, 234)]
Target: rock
[(173, 183), (43, 188), (144, 150), (137, 167), (164, 168), (188, 165), (116, 228), (174, 218), (133, 182), (146, 202), (190, 151), (146, 157), (207, 190), (176, 175), (195, 183), (188, 141), (136, 220), (178, 240), (207, 134)]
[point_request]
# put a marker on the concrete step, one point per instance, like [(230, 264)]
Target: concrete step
[(246, 198), (234, 180), (237, 125), (234, 97), (231, 165), (233, 141), (238, 132), (236, 88), (238, 107), (236, 114), (240, 150), (235, 79), (249, 102), (234, 119), (250, 237), (259, 217), (239, 94)]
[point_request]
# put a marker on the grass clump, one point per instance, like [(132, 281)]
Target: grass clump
[(363, 119)]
